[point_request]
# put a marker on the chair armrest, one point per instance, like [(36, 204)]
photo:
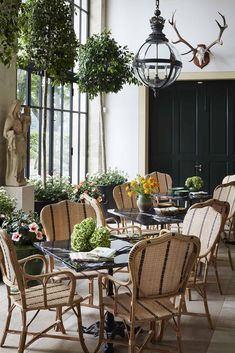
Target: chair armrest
[(124, 229), (24, 261)]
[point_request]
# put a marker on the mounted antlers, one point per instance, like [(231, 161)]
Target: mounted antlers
[(201, 54)]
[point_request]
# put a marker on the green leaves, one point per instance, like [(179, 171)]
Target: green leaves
[(9, 29), (47, 38), (104, 66)]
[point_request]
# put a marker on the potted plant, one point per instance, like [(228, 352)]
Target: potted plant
[(194, 183), (56, 189), (47, 43), (105, 183), (25, 229), (104, 67)]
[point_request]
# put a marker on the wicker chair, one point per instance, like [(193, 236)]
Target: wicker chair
[(58, 221), (228, 179), (205, 221), (44, 296), (159, 269), (164, 180), (226, 192)]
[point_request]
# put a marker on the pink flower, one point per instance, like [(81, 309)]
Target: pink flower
[(16, 236), (39, 235), (33, 227)]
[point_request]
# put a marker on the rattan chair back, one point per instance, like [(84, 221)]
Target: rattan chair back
[(164, 181), (58, 219), (206, 221), (160, 267), (226, 192), (95, 204), (121, 197), (228, 179)]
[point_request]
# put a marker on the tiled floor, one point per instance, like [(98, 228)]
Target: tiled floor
[(196, 335)]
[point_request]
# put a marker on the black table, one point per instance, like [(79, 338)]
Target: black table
[(60, 250), (147, 218), (186, 200)]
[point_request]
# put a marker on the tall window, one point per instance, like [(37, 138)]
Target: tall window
[(67, 115)]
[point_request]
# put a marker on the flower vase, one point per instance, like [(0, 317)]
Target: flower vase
[(144, 203)]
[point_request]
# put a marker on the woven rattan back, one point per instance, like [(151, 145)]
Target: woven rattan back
[(226, 192), (206, 221), (161, 266), (95, 204), (121, 197), (164, 180), (59, 219), (10, 266), (228, 179)]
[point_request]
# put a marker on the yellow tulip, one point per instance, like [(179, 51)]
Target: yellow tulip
[(129, 193)]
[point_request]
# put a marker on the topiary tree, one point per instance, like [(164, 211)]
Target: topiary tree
[(47, 43), (9, 29), (104, 67)]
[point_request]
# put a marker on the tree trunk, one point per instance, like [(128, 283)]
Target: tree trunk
[(44, 131), (102, 134)]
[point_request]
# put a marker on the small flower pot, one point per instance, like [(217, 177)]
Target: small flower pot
[(144, 203)]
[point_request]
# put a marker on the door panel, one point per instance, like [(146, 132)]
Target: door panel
[(191, 131)]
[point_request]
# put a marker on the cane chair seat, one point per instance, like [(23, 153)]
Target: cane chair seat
[(205, 221), (58, 221), (159, 270), (47, 295)]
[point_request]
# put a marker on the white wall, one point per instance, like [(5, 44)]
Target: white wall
[(128, 21)]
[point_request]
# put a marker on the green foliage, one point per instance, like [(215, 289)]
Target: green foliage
[(111, 177), (47, 39), (9, 29), (80, 238), (24, 228), (195, 182), (56, 189), (86, 236), (7, 203), (88, 187), (104, 66), (100, 237)]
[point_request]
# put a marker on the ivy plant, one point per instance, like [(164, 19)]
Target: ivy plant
[(9, 29), (47, 43), (104, 67)]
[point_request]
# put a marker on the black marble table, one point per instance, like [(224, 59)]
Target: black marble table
[(148, 218)]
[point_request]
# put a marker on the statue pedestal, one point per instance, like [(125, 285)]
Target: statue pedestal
[(24, 196)]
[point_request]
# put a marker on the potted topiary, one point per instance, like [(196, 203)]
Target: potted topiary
[(104, 67), (47, 43), (56, 189)]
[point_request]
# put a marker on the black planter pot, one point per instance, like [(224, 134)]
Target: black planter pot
[(38, 205), (108, 200)]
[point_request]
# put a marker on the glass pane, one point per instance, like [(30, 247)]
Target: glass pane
[(21, 85), (85, 5), (57, 97), (57, 145), (35, 90), (75, 150), (77, 23), (67, 97), (34, 142), (83, 98), (84, 28), (48, 92), (82, 151), (75, 97), (66, 151)]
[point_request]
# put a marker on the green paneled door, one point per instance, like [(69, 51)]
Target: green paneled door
[(192, 131)]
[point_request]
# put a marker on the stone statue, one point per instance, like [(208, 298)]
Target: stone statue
[(15, 131)]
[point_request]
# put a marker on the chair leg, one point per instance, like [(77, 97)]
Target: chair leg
[(207, 308), (131, 343), (230, 258), (217, 276), (101, 330), (23, 334), (80, 331), (7, 324), (178, 334), (91, 292)]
